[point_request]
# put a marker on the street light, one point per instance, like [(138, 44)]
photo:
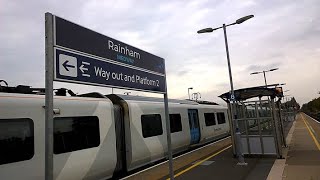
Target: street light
[(264, 74), (188, 91), (232, 98), (239, 21)]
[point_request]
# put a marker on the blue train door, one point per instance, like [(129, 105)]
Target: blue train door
[(194, 126)]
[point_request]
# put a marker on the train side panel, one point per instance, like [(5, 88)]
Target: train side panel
[(144, 150), (98, 159), (181, 139), (21, 108), (211, 128), (72, 124)]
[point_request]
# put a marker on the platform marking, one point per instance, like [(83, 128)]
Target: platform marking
[(206, 163), (200, 162), (313, 137)]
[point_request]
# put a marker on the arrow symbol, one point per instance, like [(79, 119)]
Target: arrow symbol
[(66, 65), (82, 68)]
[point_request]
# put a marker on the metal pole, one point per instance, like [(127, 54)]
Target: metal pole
[(166, 108), (189, 93), (238, 134), (49, 96), (265, 80)]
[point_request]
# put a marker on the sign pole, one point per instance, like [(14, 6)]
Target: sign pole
[(166, 109), (49, 96), (168, 136)]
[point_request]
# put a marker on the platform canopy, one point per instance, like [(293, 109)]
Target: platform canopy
[(252, 92)]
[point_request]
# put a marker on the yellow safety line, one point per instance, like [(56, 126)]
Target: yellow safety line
[(313, 137), (200, 162)]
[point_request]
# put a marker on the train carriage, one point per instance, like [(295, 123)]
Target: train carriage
[(99, 136)]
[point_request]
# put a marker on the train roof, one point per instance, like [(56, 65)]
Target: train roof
[(154, 99), (22, 89), (147, 99)]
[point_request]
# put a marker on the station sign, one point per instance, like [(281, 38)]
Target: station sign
[(86, 57), (79, 55)]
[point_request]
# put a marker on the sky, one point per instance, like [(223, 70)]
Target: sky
[(284, 34)]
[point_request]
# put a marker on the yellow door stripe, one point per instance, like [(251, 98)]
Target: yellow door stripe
[(198, 163), (313, 137)]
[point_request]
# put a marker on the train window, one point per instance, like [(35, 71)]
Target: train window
[(16, 140), (75, 133), (210, 119), (151, 125), (221, 118), (175, 123)]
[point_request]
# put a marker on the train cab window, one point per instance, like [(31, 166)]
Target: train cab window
[(75, 133), (151, 125), (16, 140), (175, 123), (210, 119), (221, 118)]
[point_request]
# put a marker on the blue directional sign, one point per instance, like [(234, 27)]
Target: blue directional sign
[(87, 57), (77, 68)]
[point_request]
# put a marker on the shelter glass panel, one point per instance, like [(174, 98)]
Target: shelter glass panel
[(242, 126), (264, 110), (253, 128), (266, 126), (250, 112)]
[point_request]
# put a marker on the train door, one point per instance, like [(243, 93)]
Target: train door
[(194, 126)]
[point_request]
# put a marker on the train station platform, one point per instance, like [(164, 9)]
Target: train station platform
[(301, 158)]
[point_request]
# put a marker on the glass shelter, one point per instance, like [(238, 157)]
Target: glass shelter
[(257, 111)]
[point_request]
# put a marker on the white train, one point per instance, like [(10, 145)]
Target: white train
[(97, 136)]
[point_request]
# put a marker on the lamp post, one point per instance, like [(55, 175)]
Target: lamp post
[(232, 97), (264, 74), (189, 92)]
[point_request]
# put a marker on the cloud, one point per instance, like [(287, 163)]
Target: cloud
[(262, 67), (282, 34)]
